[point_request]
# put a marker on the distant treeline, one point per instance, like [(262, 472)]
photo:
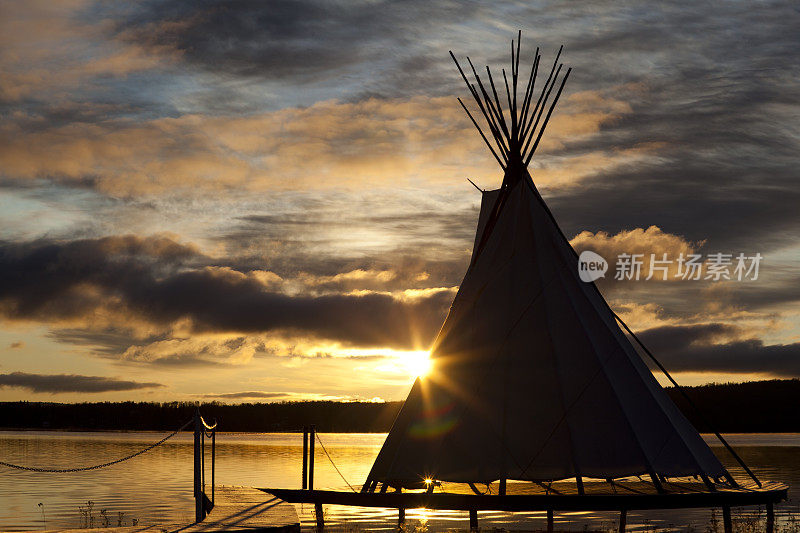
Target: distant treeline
[(759, 406), (771, 406), (351, 417)]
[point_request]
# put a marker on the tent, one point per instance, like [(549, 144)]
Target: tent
[(533, 378)]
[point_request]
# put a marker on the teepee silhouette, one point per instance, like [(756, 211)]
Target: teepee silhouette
[(533, 378)]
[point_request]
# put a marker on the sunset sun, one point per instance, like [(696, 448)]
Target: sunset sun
[(417, 363)]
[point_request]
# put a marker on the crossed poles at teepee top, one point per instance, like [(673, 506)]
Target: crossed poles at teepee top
[(516, 138)]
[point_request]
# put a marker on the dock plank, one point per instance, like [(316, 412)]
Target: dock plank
[(249, 510)]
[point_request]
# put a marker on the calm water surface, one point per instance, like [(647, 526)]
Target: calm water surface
[(157, 487)]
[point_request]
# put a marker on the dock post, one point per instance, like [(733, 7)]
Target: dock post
[(213, 460), (320, 516), (770, 518), (305, 457), (401, 512), (623, 520), (726, 520), (549, 521), (198, 493), (312, 434), (473, 520), (502, 490)]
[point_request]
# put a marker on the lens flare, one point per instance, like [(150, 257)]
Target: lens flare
[(417, 363)]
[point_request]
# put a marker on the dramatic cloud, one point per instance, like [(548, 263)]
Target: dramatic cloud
[(716, 347), (652, 244), (304, 41), (718, 105), (59, 383), (143, 286), (330, 144), (37, 35)]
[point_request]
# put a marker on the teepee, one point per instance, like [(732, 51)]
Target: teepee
[(532, 378)]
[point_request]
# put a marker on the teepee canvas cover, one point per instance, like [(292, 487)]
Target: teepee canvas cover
[(532, 377)]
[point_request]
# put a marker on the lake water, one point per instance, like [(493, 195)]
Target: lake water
[(156, 487)]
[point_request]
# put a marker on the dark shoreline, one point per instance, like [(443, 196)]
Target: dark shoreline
[(751, 407)]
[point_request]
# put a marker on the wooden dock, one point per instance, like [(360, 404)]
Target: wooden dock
[(559, 496), (246, 509), (619, 496)]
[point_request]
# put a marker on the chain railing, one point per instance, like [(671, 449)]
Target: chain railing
[(102, 465), (202, 431)]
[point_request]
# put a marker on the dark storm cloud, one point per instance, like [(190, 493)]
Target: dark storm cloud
[(715, 87), (419, 224), (217, 302), (763, 297), (301, 41), (708, 204), (249, 394), (418, 251), (59, 383), (72, 281), (703, 348), (106, 342), (749, 356), (672, 339), (47, 280)]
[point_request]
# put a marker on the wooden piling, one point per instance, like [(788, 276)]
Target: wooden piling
[(312, 434), (502, 490), (320, 516), (198, 493), (623, 520), (305, 458), (770, 518), (213, 461), (726, 520), (549, 521), (401, 512), (473, 520)]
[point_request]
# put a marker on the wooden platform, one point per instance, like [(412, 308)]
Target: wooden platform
[(248, 510), (563, 496)]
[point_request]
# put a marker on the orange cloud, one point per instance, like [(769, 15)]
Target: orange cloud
[(45, 50), (650, 243), (329, 144)]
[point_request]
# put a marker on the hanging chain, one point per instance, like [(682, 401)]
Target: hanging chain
[(334, 464), (95, 467)]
